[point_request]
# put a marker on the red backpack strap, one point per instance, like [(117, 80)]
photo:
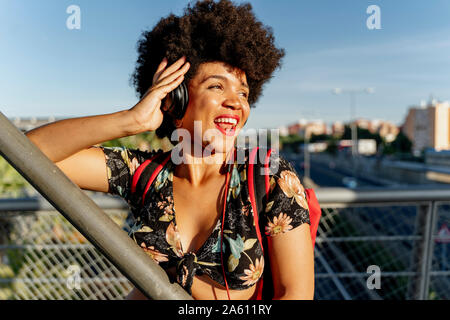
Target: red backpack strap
[(257, 193), (146, 173), (138, 172), (251, 186), (258, 190), (314, 213)]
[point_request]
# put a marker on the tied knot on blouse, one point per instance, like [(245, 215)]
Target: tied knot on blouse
[(187, 268)]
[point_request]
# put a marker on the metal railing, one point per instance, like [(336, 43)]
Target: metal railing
[(44, 257), (394, 231), (84, 214)]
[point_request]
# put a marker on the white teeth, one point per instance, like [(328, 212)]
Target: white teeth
[(227, 120)]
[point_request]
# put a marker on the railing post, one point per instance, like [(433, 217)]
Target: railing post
[(428, 252), (422, 254), (85, 215)]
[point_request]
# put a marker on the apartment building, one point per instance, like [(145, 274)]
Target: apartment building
[(427, 126)]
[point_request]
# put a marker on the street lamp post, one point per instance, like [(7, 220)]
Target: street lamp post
[(353, 124), (306, 162), (354, 132)]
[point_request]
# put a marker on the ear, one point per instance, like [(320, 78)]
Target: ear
[(178, 123)]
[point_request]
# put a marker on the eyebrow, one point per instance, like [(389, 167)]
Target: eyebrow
[(217, 76)]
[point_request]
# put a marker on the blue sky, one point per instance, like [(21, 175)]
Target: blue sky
[(47, 69)]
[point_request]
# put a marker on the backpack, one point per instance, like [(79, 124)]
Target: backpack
[(258, 185)]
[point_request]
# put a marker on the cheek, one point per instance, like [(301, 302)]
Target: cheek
[(246, 115), (203, 107), (199, 109), (209, 102)]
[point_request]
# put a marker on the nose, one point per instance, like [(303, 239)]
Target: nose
[(232, 101)]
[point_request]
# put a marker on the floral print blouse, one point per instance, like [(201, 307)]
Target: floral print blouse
[(155, 229)]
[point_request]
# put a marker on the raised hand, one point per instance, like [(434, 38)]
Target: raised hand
[(147, 112)]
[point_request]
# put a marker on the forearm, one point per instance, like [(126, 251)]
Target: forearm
[(294, 297), (64, 138)]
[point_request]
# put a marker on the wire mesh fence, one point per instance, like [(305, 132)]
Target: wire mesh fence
[(44, 257), (355, 242), (364, 251)]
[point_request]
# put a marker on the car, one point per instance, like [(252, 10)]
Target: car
[(350, 182)]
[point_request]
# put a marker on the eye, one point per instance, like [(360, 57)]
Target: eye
[(215, 86), (244, 94)]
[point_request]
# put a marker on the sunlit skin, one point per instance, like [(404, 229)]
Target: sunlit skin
[(198, 187)]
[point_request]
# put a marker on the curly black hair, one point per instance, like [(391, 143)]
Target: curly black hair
[(208, 31)]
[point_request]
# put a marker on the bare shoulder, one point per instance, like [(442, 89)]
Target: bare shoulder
[(87, 169)]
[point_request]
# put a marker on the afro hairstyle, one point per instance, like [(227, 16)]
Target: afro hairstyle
[(208, 31)]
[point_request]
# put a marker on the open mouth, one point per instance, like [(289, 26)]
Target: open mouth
[(227, 124)]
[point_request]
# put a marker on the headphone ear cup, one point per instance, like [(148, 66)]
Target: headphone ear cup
[(179, 101)]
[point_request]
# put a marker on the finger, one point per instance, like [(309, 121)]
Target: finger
[(159, 70), (165, 89), (173, 76), (172, 68)]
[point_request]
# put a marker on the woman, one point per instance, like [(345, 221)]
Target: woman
[(226, 57)]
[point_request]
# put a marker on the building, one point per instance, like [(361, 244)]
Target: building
[(427, 126), (284, 131), (305, 128), (294, 128), (387, 130), (315, 127), (337, 128), (364, 124)]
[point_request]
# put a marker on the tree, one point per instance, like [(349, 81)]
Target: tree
[(320, 137), (362, 134), (291, 142), (402, 143), (332, 147)]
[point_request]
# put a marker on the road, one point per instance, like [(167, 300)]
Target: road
[(324, 175)]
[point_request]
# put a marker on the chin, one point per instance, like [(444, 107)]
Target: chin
[(218, 142), (222, 146)]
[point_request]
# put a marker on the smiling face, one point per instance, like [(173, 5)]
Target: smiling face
[(218, 99)]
